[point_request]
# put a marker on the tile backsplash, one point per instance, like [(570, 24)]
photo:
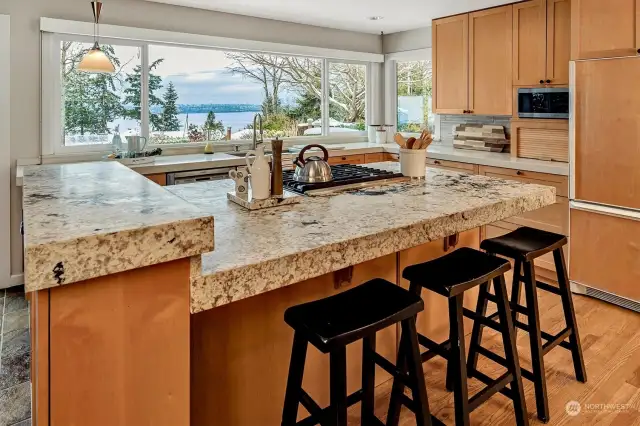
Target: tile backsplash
[(448, 122)]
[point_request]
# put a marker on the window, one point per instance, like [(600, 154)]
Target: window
[(175, 95), (94, 106), (413, 80)]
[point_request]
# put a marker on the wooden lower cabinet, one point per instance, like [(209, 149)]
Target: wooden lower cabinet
[(159, 178), (455, 166), (390, 157), (374, 158), (347, 159), (605, 253)]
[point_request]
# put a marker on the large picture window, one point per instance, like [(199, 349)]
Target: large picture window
[(175, 95), (414, 96)]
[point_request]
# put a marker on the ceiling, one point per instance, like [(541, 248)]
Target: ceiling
[(398, 15)]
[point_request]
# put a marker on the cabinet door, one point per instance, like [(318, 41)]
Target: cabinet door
[(604, 29), (558, 40), (529, 47), (451, 64), (490, 63)]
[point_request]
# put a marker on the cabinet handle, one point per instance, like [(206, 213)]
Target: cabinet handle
[(344, 158), (548, 81), (470, 111), (638, 51), (541, 81), (519, 173), (436, 162)]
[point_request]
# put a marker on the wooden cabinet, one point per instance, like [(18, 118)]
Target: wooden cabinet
[(387, 156), (374, 158), (451, 64), (604, 29), (472, 63), (554, 218), (490, 58), (159, 178), (605, 253), (540, 139), (541, 42), (347, 159), (471, 169)]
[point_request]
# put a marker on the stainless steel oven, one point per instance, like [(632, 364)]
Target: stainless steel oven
[(543, 102)]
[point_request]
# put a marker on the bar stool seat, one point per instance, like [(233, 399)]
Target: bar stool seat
[(456, 272), (349, 316), (524, 243)]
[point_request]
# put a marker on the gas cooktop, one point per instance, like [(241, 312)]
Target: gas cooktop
[(343, 175)]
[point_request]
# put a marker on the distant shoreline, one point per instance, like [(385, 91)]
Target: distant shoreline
[(215, 108)]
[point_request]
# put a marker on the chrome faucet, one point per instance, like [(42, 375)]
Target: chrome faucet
[(256, 118)]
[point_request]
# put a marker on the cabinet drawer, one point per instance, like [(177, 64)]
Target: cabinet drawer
[(373, 158), (605, 253), (390, 157), (160, 178), (561, 183), (453, 165), (554, 218), (347, 159)]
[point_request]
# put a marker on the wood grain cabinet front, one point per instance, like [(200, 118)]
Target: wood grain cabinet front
[(455, 166), (451, 64), (347, 159), (159, 178), (541, 42), (604, 29)]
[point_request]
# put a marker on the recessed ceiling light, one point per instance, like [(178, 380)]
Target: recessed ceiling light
[(376, 18)]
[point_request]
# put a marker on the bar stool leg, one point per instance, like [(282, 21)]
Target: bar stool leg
[(338, 387), (393, 415), (570, 315), (515, 291), (368, 379), (457, 361), (476, 334), (535, 339), (511, 351), (294, 381), (420, 400)]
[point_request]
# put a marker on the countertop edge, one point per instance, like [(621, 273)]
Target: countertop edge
[(211, 291)]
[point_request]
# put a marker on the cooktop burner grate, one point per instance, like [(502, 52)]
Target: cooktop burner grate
[(343, 174)]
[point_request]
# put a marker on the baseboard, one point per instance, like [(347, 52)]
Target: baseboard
[(13, 281)]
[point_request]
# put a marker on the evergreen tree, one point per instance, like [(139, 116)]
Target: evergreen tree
[(211, 125), (133, 95), (170, 122)]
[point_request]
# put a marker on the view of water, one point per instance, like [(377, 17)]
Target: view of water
[(236, 120)]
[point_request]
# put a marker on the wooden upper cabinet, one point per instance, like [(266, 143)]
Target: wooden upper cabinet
[(529, 47), (490, 61), (558, 40), (450, 64), (604, 29)]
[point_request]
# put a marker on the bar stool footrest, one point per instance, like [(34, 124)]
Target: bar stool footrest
[(492, 388), (501, 361), (318, 414), (548, 287), (434, 348), (506, 391), (390, 368), (514, 306), (558, 339), (486, 321)]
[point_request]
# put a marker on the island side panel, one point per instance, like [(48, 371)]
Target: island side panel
[(433, 322), (240, 352), (119, 349)]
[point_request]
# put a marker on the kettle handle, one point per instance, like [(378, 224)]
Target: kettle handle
[(247, 158), (300, 159)]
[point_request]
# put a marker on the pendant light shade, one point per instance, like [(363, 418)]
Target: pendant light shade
[(95, 60)]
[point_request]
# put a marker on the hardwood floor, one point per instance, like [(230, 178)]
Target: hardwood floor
[(611, 344)]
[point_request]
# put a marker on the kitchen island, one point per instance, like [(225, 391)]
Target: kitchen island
[(115, 342)]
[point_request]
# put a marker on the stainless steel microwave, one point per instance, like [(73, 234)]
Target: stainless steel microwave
[(543, 102)]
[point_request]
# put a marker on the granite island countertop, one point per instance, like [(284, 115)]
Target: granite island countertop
[(87, 220), (267, 249)]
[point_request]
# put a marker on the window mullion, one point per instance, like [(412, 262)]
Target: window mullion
[(144, 92), (325, 97)]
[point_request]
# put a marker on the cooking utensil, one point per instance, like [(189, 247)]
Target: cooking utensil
[(313, 169), (399, 140), (410, 142)]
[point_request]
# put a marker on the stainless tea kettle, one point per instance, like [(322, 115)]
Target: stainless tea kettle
[(313, 169)]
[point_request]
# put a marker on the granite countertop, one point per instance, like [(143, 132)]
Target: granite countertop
[(87, 220), (264, 250)]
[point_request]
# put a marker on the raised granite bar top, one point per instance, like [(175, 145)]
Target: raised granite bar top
[(267, 249), (87, 220)]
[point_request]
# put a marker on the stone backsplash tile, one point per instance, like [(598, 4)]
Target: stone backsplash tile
[(448, 122)]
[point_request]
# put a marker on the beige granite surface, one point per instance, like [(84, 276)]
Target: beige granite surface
[(87, 220), (264, 250)]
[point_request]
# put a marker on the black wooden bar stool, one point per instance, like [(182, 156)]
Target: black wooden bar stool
[(330, 325), (524, 245), (450, 276)]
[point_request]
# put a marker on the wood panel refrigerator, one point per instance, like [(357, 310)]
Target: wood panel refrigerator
[(605, 179)]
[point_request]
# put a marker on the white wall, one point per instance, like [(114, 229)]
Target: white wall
[(407, 40), (5, 162), (25, 58)]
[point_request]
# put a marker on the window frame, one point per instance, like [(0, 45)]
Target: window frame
[(52, 126), (391, 89)]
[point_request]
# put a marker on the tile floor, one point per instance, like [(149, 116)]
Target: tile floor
[(15, 343)]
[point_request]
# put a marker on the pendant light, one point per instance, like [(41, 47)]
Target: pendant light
[(95, 60)]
